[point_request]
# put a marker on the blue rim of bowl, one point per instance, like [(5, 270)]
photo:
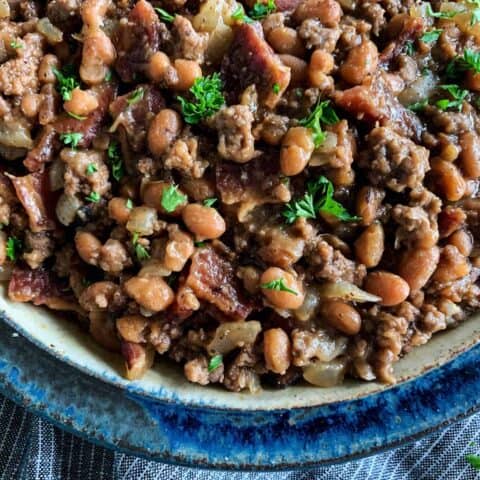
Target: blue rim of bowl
[(304, 437)]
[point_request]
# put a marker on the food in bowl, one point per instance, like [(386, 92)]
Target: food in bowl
[(263, 192)]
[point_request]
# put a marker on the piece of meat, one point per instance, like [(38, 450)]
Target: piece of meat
[(135, 117), (65, 14), (184, 157), (393, 160), (90, 127), (137, 40), (375, 102), (38, 246), (212, 278), (33, 192), (317, 36), (252, 61), (43, 150), (287, 5), (189, 44)]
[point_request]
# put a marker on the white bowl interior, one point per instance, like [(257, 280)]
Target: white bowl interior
[(65, 339)]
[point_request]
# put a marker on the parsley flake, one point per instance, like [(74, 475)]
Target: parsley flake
[(431, 36), (140, 251), (91, 169), (409, 48), (473, 460), (209, 99), (261, 10), (93, 197), (469, 61), (199, 244), (215, 362), (136, 96), (279, 285), (276, 88), (109, 76), (240, 16), (322, 113), (456, 93), (449, 14), (113, 154), (66, 82), (16, 44), (171, 198), (75, 116), (164, 15), (129, 204), (14, 245), (209, 202), (72, 138), (418, 106)]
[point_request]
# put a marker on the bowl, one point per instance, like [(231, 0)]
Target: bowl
[(79, 386)]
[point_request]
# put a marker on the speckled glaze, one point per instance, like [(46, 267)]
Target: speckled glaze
[(78, 386)]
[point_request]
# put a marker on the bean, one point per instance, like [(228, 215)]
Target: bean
[(102, 329), (361, 61), (187, 72), (98, 296), (132, 328), (342, 316), (45, 69), (328, 12), (470, 156), (391, 288), (321, 64), (151, 293), (152, 193), (370, 245), (88, 247), (473, 81), (463, 240), (31, 104), (118, 210), (178, 250), (298, 69), (205, 222), (417, 266), (98, 53), (158, 67), (286, 40), (452, 265), (81, 103), (368, 202), (448, 180), (297, 148), (277, 350), (163, 130), (279, 298)]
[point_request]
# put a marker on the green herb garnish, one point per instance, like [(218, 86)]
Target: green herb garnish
[(91, 169), (16, 44), (209, 98), (14, 246), (456, 93), (214, 363), (261, 10), (279, 285), (240, 16), (136, 96), (473, 460), (140, 251), (113, 154), (164, 15), (418, 106), (199, 244), (66, 82), (276, 88), (409, 48), (444, 15), (72, 138), (109, 76), (469, 61), (209, 202), (171, 198), (431, 36), (319, 198), (75, 116), (129, 204), (322, 113), (93, 197)]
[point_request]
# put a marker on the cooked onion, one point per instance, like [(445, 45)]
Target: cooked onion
[(4, 9), (230, 335), (142, 220), (56, 174), (49, 31), (15, 134), (325, 374), (346, 291), (154, 268), (67, 208), (309, 306)]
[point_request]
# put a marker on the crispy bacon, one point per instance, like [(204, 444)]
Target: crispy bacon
[(43, 151)]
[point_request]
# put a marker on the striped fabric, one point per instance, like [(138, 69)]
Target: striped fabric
[(32, 449)]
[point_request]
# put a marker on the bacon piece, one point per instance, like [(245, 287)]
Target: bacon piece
[(213, 279), (252, 61), (43, 151), (138, 359), (33, 192)]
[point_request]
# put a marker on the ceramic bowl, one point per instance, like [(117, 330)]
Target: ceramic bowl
[(162, 416)]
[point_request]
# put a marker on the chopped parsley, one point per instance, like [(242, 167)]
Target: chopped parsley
[(209, 202), (171, 198), (93, 197), (75, 116), (261, 10), (429, 11), (322, 113), (240, 15), (208, 95), (164, 15), (469, 61), (199, 244), (456, 93), (279, 285), (319, 198), (72, 138), (16, 44), (431, 36), (475, 17), (215, 362), (140, 251), (91, 169), (109, 76), (66, 82), (14, 245), (276, 88), (473, 460), (409, 48), (129, 204), (136, 96), (418, 106), (113, 154)]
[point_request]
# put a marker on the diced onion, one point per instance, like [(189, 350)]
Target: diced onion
[(325, 374), (4, 9), (309, 306), (230, 335), (67, 208), (15, 134), (142, 220), (346, 291), (154, 268), (56, 175), (49, 31)]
